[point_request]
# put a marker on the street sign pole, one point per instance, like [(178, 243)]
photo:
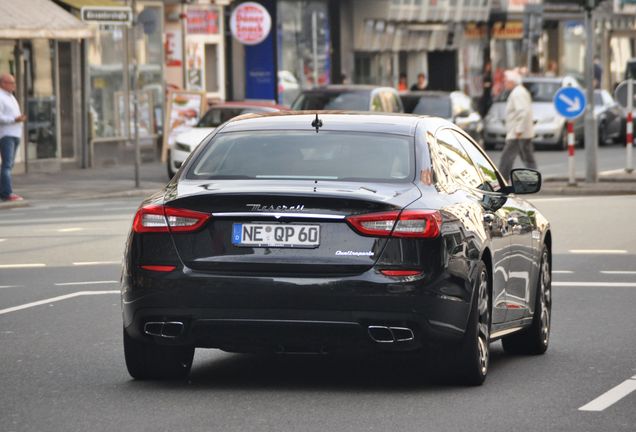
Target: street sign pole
[(591, 141), (570, 103), (571, 160), (629, 133), (135, 95)]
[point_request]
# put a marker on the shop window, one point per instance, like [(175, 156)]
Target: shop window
[(41, 107), (304, 46), (211, 68)]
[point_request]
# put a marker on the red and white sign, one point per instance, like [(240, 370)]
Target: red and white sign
[(250, 23)]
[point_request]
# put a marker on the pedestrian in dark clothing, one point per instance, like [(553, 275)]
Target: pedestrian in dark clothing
[(421, 82), (598, 73), (486, 96)]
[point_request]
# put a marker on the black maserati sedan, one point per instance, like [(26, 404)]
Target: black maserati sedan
[(332, 232)]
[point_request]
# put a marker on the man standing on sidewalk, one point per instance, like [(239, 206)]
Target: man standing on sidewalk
[(519, 125), (10, 132)]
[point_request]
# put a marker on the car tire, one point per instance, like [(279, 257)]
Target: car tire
[(149, 361), (535, 339), (603, 138), (473, 357)]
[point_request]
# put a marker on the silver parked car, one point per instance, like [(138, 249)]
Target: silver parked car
[(549, 127)]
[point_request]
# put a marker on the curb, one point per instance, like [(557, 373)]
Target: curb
[(14, 204)]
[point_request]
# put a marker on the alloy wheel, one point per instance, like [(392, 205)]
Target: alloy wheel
[(545, 298), (483, 328)]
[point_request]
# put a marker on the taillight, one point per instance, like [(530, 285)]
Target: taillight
[(408, 223), (158, 218)]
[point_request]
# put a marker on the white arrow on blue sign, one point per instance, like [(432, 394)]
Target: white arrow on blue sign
[(570, 102)]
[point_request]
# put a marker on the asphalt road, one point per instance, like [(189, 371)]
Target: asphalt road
[(62, 367), (554, 163)]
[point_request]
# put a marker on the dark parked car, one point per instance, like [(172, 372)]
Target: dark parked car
[(350, 98), (454, 106), (324, 233)]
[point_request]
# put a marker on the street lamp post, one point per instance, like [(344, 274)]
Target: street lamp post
[(590, 129)]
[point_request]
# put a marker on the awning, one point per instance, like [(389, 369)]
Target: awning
[(39, 19), (78, 4)]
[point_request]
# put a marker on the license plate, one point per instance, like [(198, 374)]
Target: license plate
[(276, 235)]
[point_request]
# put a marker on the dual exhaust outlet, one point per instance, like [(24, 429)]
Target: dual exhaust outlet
[(379, 334), (384, 334), (164, 329)]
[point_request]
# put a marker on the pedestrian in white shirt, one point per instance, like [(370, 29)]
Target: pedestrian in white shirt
[(11, 121), (519, 125)]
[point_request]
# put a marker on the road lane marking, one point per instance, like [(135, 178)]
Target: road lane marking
[(1, 240), (562, 271), (90, 263), (617, 272), (13, 266), (612, 396), (596, 284), (86, 283), (598, 251), (55, 299), (66, 230), (10, 286)]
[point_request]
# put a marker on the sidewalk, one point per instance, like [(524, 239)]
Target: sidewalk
[(118, 181), (72, 184)]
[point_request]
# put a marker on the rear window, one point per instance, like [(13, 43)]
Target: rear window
[(434, 106), (348, 156), (354, 101)]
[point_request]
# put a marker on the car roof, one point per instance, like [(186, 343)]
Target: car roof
[(247, 104), (340, 88), (389, 123)]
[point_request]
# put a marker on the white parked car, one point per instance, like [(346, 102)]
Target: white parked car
[(218, 114)]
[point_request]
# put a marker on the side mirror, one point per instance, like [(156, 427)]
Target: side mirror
[(525, 181)]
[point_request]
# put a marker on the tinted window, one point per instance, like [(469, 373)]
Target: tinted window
[(217, 116), (481, 162), (459, 166), (542, 91), (356, 101), (434, 106), (306, 155)]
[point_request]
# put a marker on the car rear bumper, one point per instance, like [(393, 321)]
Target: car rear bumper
[(247, 314)]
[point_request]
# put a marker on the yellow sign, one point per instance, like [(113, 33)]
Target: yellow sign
[(508, 30)]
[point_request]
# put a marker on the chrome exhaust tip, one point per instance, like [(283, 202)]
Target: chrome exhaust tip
[(169, 329), (384, 334)]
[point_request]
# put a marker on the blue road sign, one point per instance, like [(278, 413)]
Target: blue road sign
[(569, 102)]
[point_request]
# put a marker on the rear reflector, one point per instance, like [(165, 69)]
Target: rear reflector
[(408, 223), (158, 218), (401, 273), (159, 268)]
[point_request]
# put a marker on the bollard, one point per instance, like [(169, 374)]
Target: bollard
[(571, 160), (629, 135)]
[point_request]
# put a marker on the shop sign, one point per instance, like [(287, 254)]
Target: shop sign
[(202, 20), (112, 15), (173, 48), (508, 30), (518, 5), (475, 32), (250, 23)]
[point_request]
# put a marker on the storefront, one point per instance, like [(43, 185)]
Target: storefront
[(39, 45), (195, 48), (110, 85), (296, 53)]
